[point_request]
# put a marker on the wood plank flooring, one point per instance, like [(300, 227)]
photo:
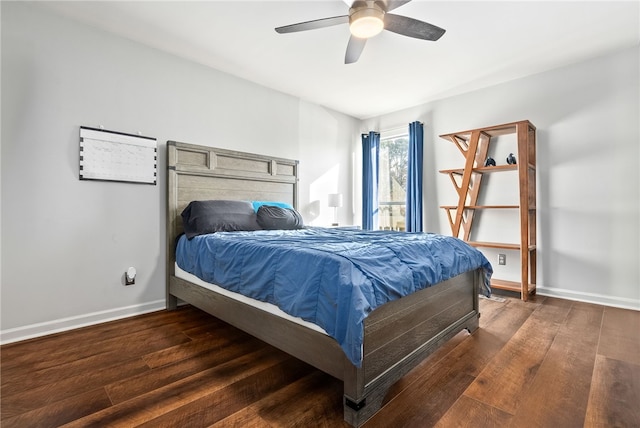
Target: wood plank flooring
[(543, 363)]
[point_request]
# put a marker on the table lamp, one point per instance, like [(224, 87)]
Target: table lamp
[(335, 202)]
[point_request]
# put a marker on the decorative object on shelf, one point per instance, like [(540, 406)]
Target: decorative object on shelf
[(511, 159), (335, 202), (490, 162)]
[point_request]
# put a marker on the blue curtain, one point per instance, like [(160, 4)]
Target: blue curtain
[(370, 170), (413, 217)]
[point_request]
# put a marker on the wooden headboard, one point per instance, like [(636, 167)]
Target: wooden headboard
[(197, 172)]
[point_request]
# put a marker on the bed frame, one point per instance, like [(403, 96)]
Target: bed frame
[(397, 335)]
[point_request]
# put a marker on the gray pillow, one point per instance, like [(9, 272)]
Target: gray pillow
[(272, 217), (201, 217)]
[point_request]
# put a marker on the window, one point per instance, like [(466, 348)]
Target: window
[(392, 185)]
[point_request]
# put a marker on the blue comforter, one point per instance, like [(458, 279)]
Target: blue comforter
[(331, 277)]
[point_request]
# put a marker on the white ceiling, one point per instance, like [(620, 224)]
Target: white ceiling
[(486, 43)]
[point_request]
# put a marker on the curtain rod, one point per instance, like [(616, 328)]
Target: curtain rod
[(400, 128)]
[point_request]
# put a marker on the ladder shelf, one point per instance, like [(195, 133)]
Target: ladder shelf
[(474, 146)]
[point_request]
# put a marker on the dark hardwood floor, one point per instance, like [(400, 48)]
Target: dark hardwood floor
[(543, 363)]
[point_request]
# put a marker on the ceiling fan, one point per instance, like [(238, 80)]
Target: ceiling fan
[(367, 19)]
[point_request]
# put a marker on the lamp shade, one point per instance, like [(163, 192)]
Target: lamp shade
[(334, 200)]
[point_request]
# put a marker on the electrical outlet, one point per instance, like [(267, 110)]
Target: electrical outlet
[(130, 276), (502, 259)]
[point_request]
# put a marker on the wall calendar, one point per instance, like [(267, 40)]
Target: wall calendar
[(116, 156)]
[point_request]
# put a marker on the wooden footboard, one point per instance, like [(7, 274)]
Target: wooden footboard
[(402, 333)]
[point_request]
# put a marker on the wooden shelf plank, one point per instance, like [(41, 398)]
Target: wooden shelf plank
[(497, 168), (481, 169), (502, 284), (495, 131), (480, 207), (452, 171), (502, 245)]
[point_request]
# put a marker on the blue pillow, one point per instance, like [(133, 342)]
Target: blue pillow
[(258, 204)]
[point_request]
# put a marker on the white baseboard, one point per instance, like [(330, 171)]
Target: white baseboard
[(70, 323), (598, 299)]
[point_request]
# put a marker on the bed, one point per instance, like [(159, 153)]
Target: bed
[(396, 336)]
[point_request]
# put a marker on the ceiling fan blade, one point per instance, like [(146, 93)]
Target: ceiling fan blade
[(412, 27), (394, 4), (354, 49), (312, 25)]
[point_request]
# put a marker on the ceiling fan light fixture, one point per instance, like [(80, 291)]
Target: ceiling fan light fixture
[(366, 19), (366, 22)]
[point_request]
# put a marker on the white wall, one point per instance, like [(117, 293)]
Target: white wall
[(67, 242), (588, 140)]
